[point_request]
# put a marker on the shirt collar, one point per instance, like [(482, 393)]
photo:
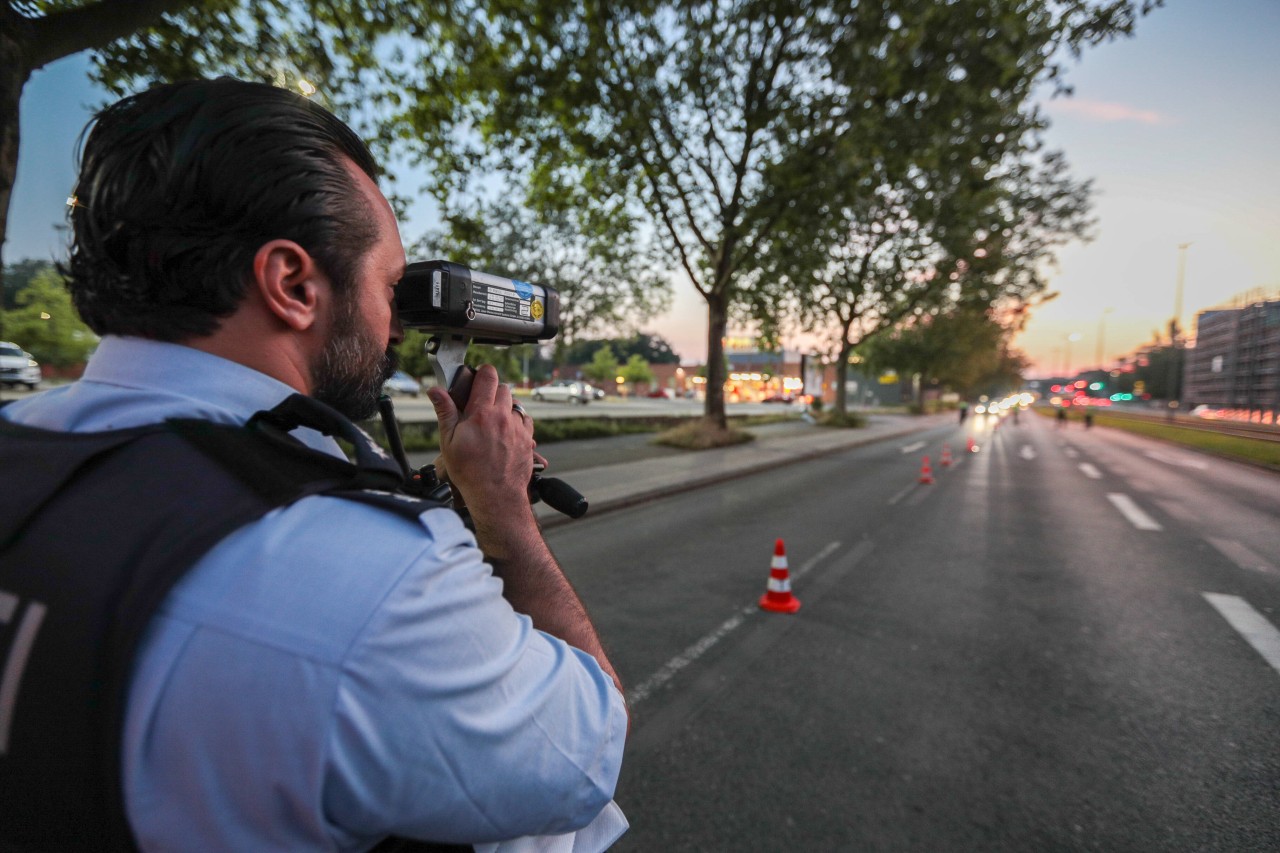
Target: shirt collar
[(195, 383)]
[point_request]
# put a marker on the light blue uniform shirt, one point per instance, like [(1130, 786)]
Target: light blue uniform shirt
[(333, 673)]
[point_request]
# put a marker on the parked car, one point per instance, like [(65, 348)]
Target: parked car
[(401, 383), (660, 394), (779, 398), (17, 367), (565, 390), (598, 393)]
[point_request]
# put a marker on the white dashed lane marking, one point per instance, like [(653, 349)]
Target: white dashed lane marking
[(1242, 556), (1178, 459), (911, 448), (1028, 452), (1091, 472), (1250, 624), (1133, 512)]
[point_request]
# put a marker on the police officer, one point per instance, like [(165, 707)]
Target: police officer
[(321, 672)]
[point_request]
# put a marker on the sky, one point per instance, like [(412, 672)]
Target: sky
[(1177, 127)]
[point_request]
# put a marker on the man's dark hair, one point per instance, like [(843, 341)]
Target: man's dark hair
[(181, 184)]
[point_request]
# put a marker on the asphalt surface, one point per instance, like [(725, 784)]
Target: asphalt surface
[(1002, 660)]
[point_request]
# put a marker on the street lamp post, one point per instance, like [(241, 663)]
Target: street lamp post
[(1074, 336), (1102, 334), (1175, 327)]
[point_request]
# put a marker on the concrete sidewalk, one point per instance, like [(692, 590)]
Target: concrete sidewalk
[(610, 487)]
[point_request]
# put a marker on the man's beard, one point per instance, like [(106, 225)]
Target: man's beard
[(352, 368)]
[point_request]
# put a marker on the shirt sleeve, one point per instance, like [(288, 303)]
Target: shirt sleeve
[(456, 721)]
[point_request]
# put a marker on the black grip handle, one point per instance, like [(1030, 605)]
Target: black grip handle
[(460, 388), (560, 496)]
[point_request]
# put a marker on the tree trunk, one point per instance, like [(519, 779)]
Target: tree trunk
[(717, 325), (842, 380), (13, 76)]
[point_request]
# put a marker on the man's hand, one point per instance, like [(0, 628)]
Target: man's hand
[(488, 452)]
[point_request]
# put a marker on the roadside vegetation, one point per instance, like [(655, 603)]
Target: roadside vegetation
[(842, 420), (702, 435), (674, 431)]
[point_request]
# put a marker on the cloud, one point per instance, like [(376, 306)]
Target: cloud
[(1103, 111)]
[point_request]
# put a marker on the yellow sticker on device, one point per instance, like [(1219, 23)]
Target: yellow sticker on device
[(536, 310)]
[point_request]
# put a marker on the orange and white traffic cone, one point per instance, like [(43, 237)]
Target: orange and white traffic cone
[(971, 447), (926, 472), (946, 456), (778, 597)]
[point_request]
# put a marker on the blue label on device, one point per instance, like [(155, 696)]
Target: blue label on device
[(523, 289)]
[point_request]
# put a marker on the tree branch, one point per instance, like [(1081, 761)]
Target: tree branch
[(673, 174), (671, 227), (97, 25)]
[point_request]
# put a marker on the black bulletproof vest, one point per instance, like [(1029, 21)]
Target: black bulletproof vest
[(95, 528)]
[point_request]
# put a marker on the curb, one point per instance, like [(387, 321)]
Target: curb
[(558, 520)]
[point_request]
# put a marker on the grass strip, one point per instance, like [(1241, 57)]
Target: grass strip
[(1254, 450)]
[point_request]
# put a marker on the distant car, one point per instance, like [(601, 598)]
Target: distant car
[(401, 383), (17, 367), (597, 393), (779, 398), (659, 394), (565, 390), (980, 409)]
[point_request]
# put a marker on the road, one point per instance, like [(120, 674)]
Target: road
[(1020, 656)]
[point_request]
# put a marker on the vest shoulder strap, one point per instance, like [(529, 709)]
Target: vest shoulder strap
[(95, 529)]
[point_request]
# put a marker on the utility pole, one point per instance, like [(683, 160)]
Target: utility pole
[(1175, 327), (1074, 336), (1102, 333)]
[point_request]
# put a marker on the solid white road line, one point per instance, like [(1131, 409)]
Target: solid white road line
[(1242, 556), (1131, 511), (1091, 472), (911, 448), (668, 670), (1175, 459), (1028, 452), (807, 565), (902, 494), (1250, 624)]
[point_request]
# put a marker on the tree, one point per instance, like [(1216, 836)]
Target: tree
[(636, 371), (652, 348), (46, 323), (948, 199), (709, 121), (358, 56), (603, 367), (963, 349), (604, 284), (18, 276)]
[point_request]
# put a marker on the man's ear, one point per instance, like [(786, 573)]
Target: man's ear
[(289, 282)]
